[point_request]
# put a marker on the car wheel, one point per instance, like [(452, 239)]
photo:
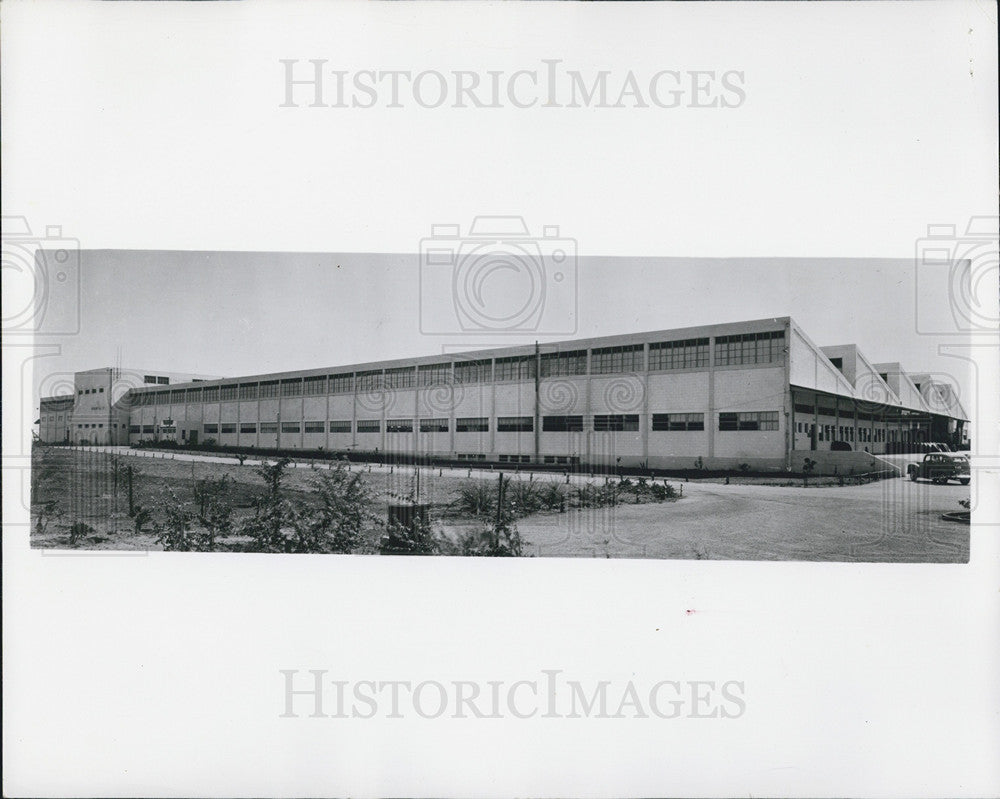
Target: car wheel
[(963, 480), (913, 475)]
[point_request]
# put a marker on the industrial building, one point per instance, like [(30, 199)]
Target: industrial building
[(759, 393)]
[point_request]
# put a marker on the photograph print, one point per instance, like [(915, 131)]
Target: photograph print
[(497, 394)]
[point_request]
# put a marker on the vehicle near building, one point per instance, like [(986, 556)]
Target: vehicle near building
[(940, 467)]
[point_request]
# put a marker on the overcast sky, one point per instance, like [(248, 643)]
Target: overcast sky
[(235, 313)]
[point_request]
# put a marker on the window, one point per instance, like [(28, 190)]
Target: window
[(149, 379), (472, 424), (228, 428), (248, 427), (369, 425), (177, 396), (562, 424), (341, 384), (746, 348), (753, 420), (170, 430), (399, 425), (434, 374), (227, 393), (520, 367), (291, 427), (163, 381), (687, 354), (616, 422), (315, 427), (801, 407), (146, 428), (211, 394), (193, 395), (291, 387), (268, 427), (211, 428), (562, 459), (472, 456), (515, 424), (162, 397), (369, 381), (473, 371), (343, 426), (558, 364), (433, 425), (248, 391), (134, 428), (269, 389), (678, 421), (514, 458), (101, 390), (838, 362), (607, 360), (314, 385), (400, 377), (828, 410)]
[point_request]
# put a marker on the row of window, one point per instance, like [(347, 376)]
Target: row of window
[(844, 413), (749, 348), (99, 390), (864, 435), (659, 422), (754, 420)]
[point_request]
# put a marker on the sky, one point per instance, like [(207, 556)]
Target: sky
[(237, 313)]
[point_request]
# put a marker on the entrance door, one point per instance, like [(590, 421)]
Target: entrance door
[(193, 437)]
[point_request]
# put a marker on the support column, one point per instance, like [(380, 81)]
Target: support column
[(537, 415)]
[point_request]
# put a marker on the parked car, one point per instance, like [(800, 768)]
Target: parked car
[(940, 467)]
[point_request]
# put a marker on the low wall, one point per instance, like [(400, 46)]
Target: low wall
[(842, 463)]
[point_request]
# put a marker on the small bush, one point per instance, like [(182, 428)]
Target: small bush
[(79, 530), (552, 497), (476, 498)]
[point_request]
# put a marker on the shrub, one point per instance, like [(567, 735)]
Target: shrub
[(523, 498), (591, 496), (419, 539), (552, 497), (337, 516), (78, 530), (500, 540), (476, 498)]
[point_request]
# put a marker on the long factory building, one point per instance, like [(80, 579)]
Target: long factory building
[(759, 393)]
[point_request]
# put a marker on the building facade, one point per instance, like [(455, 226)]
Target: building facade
[(758, 393)]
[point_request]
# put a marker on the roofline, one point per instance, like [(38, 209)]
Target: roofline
[(699, 331)]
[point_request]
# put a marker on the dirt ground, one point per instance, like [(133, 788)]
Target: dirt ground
[(749, 518), (888, 521)]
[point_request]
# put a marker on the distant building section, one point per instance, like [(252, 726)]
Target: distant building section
[(98, 410)]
